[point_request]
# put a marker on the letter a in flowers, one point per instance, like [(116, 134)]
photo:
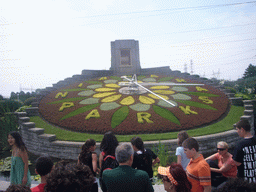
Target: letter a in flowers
[(187, 110), (94, 113), (61, 94), (144, 116), (66, 105)]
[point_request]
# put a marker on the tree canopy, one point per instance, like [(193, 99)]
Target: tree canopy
[(250, 71)]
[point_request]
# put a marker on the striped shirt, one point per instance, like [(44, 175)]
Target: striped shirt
[(199, 174)]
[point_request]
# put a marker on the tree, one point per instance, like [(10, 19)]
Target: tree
[(250, 71)]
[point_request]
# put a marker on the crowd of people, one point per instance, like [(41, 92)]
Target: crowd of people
[(127, 167)]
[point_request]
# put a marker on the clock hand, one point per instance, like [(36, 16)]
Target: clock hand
[(134, 82)]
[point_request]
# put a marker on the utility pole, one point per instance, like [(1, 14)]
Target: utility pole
[(185, 68), (191, 65)]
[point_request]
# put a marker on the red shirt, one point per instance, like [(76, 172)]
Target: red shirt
[(38, 188)]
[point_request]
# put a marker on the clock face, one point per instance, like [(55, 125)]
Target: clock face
[(160, 104)]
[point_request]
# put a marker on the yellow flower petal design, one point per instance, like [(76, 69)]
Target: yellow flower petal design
[(100, 95), (127, 101), (146, 100), (103, 78), (111, 98), (153, 76), (166, 92), (112, 85), (160, 87), (104, 89), (155, 97)]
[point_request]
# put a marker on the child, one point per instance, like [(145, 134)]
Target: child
[(198, 170), (89, 157), (20, 173), (181, 157), (44, 166), (143, 157)]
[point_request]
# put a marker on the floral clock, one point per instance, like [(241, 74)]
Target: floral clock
[(154, 103)]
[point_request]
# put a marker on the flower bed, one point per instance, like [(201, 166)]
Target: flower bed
[(98, 105)]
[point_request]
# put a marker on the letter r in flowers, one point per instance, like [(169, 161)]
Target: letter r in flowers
[(187, 110), (94, 113), (144, 116), (61, 94), (66, 105)]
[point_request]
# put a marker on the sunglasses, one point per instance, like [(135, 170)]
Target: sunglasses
[(221, 149)]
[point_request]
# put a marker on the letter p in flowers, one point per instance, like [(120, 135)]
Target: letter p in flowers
[(144, 116), (66, 105)]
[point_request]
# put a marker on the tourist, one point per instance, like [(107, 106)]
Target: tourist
[(44, 165), (18, 188), (181, 156), (89, 157), (174, 178), (245, 152), (198, 170), (20, 173), (69, 177), (124, 178), (107, 156), (142, 158), (108, 146), (226, 167)]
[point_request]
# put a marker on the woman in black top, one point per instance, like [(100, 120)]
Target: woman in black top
[(89, 157), (143, 157)]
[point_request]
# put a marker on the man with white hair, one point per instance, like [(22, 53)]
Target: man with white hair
[(124, 178)]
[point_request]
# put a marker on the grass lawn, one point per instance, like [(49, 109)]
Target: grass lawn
[(224, 125)]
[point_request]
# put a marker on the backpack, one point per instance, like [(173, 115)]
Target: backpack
[(109, 162)]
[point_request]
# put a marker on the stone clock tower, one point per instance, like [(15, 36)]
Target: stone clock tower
[(125, 58)]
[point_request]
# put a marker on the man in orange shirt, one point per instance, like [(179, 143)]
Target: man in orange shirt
[(198, 170)]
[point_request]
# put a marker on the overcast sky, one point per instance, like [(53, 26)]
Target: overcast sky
[(43, 42)]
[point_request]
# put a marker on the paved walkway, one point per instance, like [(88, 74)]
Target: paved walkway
[(5, 184)]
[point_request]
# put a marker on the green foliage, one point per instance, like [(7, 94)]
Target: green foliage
[(196, 104), (1, 97), (250, 71), (23, 108), (231, 89), (9, 106), (29, 101), (5, 164), (80, 110), (68, 100), (246, 96), (201, 94), (166, 114), (162, 152), (119, 116), (8, 123), (116, 78), (165, 79)]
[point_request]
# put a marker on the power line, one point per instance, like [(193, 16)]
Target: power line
[(173, 9)]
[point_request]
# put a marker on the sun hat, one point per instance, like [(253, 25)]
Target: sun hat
[(165, 171)]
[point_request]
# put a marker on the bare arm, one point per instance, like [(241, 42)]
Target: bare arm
[(207, 188), (224, 168), (100, 160), (178, 159), (94, 162), (212, 157), (156, 160), (24, 157)]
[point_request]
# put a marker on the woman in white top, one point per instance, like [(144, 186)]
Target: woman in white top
[(181, 157)]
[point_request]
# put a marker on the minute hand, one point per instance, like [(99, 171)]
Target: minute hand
[(172, 84), (148, 90)]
